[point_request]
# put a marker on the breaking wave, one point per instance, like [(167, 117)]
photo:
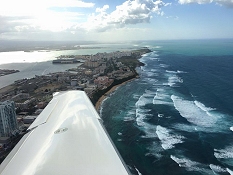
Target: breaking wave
[(195, 112), (167, 138)]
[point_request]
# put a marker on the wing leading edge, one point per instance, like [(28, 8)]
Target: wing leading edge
[(66, 138)]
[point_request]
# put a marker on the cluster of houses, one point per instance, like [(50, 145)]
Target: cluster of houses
[(98, 72)]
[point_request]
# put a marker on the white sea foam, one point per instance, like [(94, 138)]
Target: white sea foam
[(138, 171), (140, 118), (146, 98), (163, 65), (160, 115), (158, 47), (194, 113), (154, 70), (141, 114), (168, 139), (226, 153), (149, 130), (175, 72), (231, 128), (183, 162), (190, 128), (217, 168), (203, 107), (162, 97), (101, 106), (190, 165), (150, 92), (149, 80), (154, 54), (131, 112), (119, 133), (127, 119), (154, 58), (151, 74), (172, 80), (155, 150), (179, 72), (170, 71), (136, 96), (130, 116)]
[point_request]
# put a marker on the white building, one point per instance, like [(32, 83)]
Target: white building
[(8, 120)]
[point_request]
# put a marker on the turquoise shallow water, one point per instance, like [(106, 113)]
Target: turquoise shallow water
[(177, 117)]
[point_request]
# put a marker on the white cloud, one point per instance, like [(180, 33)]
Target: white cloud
[(130, 12), (102, 10), (18, 16), (25, 16), (33, 7), (195, 1), (227, 3), (68, 3)]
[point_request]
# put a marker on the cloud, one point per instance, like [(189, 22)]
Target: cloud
[(130, 12), (102, 10), (26, 15), (227, 3), (195, 1), (68, 3), (33, 7)]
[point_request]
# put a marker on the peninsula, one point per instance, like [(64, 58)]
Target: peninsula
[(4, 72), (99, 75)]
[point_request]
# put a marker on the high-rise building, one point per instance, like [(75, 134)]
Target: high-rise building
[(8, 121)]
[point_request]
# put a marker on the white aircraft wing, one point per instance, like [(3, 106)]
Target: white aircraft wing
[(67, 138)]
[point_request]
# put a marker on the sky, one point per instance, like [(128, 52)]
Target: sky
[(115, 20)]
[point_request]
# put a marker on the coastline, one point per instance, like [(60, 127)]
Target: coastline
[(105, 95), (128, 72)]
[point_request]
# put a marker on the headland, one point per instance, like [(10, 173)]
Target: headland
[(4, 72), (98, 76)]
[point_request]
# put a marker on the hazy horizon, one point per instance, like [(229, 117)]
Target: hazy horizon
[(31, 45)]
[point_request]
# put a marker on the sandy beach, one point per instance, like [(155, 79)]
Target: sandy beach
[(101, 99)]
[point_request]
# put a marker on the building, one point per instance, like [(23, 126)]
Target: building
[(8, 120), (29, 119), (92, 64), (102, 81), (26, 104)]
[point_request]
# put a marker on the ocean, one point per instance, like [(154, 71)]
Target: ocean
[(177, 118)]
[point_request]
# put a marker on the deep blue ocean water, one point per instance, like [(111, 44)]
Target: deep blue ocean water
[(177, 118)]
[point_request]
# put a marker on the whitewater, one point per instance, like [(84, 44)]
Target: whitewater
[(177, 118)]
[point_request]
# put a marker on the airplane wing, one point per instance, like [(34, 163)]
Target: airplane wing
[(66, 138)]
